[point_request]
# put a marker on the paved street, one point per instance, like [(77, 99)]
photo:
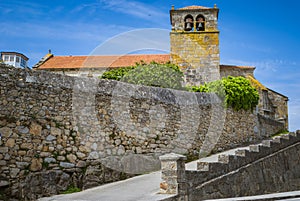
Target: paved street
[(140, 188), (146, 188)]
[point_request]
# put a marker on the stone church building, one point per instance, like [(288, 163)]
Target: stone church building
[(194, 47)]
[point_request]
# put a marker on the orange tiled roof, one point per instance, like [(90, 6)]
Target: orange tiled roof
[(112, 61), (193, 7)]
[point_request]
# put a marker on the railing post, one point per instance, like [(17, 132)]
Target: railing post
[(173, 174)]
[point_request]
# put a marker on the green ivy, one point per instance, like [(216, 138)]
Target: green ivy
[(165, 75), (236, 92)]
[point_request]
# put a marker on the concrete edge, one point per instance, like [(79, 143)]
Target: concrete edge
[(266, 197)]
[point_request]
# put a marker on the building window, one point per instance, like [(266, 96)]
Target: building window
[(23, 63), (188, 23), (18, 59), (6, 58), (200, 23), (11, 58)]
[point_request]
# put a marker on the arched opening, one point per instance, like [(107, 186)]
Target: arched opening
[(188, 23), (200, 23)]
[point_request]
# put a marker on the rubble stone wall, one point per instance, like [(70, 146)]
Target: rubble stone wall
[(269, 167), (59, 131)]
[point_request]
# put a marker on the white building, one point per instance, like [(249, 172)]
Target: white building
[(14, 59)]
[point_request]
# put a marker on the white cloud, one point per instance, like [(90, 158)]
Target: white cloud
[(268, 65), (60, 30), (91, 8), (137, 40), (21, 7), (133, 8)]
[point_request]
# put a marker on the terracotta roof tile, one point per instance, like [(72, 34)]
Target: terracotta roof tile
[(193, 8), (112, 61)]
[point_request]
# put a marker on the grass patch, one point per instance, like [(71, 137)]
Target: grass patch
[(279, 133), (71, 189)]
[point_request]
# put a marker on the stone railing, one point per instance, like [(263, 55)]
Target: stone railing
[(269, 167)]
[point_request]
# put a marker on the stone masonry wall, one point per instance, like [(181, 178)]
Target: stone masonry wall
[(59, 131), (270, 167), (197, 54), (280, 104)]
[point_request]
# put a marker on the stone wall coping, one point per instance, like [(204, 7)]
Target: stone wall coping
[(172, 157)]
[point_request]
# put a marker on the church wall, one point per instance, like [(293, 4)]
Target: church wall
[(227, 71), (197, 54)]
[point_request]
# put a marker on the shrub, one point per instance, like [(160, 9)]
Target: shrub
[(236, 92), (165, 75), (116, 73)]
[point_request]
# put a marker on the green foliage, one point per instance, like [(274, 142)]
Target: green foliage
[(279, 133), (165, 75), (236, 92), (71, 189), (116, 73), (156, 75)]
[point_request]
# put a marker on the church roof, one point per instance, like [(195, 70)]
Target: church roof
[(107, 61), (103, 61)]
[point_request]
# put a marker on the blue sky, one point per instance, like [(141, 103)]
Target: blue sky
[(260, 33)]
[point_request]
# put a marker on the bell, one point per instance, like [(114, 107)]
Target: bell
[(200, 26), (188, 26)]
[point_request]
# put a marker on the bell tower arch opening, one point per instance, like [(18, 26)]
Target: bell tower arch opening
[(200, 23), (188, 23)]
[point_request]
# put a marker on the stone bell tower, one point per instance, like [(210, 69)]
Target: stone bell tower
[(194, 40)]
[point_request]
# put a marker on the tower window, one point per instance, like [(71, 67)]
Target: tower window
[(200, 23), (188, 23)]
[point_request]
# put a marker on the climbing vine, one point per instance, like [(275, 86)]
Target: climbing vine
[(237, 92)]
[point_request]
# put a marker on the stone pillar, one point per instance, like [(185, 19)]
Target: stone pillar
[(173, 174)]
